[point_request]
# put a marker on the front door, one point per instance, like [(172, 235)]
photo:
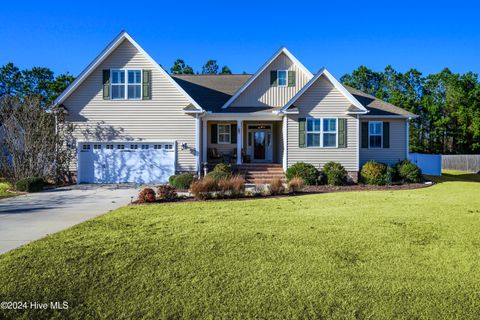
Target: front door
[(259, 145)]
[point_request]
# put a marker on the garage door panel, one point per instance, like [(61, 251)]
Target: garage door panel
[(141, 163)]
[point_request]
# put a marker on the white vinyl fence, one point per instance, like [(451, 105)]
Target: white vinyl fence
[(462, 162), (429, 163)]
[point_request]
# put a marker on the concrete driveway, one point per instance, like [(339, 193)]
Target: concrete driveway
[(30, 217)]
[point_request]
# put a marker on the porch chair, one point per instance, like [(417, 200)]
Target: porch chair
[(213, 154)]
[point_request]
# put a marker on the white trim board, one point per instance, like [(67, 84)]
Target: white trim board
[(123, 35), (334, 82), (262, 68)]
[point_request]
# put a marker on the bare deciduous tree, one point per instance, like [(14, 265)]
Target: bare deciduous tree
[(34, 141)]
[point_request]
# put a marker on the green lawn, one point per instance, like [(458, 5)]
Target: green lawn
[(358, 255), (4, 186)]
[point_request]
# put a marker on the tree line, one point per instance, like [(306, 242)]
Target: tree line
[(210, 67), (447, 105)]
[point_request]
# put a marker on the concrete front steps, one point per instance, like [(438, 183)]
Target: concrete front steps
[(260, 173)]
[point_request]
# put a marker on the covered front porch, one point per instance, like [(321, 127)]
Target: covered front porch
[(242, 141)]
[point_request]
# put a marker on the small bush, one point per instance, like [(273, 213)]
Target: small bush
[(222, 167), (147, 195), (296, 185), (306, 171), (167, 192), (335, 173), (219, 175), (30, 184), (276, 186), (202, 189), (182, 180), (376, 173), (232, 187), (408, 172)]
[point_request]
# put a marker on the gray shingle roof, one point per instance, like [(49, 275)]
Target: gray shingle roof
[(212, 91)]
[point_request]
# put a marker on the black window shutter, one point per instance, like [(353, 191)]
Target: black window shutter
[(233, 133), (273, 78), (291, 78), (302, 136), (386, 135), (106, 84), (147, 85), (364, 134), (342, 133), (213, 134)]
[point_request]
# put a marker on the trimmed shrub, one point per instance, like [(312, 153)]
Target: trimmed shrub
[(30, 184), (203, 188), (232, 187), (303, 170), (147, 195), (182, 180), (219, 175), (408, 172), (276, 186), (296, 185), (376, 173), (335, 173), (167, 192), (222, 167)]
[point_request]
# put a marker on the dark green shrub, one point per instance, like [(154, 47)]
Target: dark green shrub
[(335, 173), (167, 192), (182, 180), (220, 172), (408, 172), (303, 170), (376, 173), (30, 184)]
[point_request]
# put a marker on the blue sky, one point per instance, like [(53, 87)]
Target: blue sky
[(340, 35)]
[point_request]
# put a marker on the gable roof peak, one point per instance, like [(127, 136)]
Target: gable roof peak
[(281, 50)]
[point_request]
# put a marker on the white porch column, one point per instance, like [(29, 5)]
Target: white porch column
[(285, 142), (197, 142), (239, 141), (204, 139)]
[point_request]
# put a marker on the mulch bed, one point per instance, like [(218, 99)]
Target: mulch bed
[(309, 190)]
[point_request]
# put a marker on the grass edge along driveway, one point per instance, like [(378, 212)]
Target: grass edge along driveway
[(380, 254)]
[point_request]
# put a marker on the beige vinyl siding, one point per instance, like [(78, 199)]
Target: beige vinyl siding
[(398, 144), (261, 94), (158, 119), (322, 99)]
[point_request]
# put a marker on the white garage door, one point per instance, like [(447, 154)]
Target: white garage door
[(119, 162)]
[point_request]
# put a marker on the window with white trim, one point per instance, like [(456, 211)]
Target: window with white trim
[(223, 133), (329, 132), (321, 132), (118, 84), (375, 134), (282, 78), (86, 147), (126, 84), (313, 132)]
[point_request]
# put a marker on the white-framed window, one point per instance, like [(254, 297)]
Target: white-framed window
[(126, 84), (109, 146), (120, 146), (329, 132), (313, 132), (157, 146), (223, 133), (118, 84), (322, 132), (97, 146), (134, 88), (134, 146), (144, 146), (282, 78), (169, 147), (86, 147), (375, 134)]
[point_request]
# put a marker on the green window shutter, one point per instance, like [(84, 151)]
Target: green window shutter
[(386, 135), (342, 133), (213, 134), (106, 84), (364, 134), (273, 78), (302, 135), (291, 78), (233, 133), (147, 85)]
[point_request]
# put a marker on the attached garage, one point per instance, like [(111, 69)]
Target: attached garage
[(123, 162)]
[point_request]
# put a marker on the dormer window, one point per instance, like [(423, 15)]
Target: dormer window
[(282, 78), (126, 84)]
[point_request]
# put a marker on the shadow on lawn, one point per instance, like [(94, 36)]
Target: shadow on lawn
[(465, 177)]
